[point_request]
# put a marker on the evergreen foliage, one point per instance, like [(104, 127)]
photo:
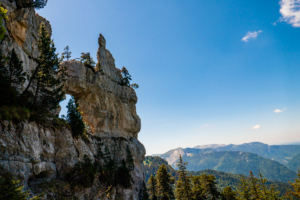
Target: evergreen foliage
[(123, 177), (127, 78), (143, 193), (11, 189), (183, 189), (12, 78), (164, 184), (38, 4), (229, 194), (83, 173), (74, 118), (129, 158), (295, 193), (66, 54), (152, 188), (2, 17), (87, 60), (47, 79)]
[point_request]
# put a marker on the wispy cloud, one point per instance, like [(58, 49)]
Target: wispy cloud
[(256, 127), (251, 35), (279, 111), (290, 11)]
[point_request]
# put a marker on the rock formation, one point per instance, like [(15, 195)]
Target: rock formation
[(41, 156)]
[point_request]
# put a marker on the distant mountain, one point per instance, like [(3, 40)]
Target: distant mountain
[(151, 165), (238, 162), (280, 153), (294, 163)]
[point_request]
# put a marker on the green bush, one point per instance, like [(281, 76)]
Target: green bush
[(14, 113), (83, 173)]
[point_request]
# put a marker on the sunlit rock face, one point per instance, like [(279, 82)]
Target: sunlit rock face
[(105, 104), (36, 153)]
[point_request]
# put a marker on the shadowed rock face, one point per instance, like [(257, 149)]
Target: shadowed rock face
[(107, 106), (34, 153)]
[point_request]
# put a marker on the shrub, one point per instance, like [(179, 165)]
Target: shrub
[(83, 173)]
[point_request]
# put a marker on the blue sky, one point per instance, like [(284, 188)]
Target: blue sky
[(210, 72)]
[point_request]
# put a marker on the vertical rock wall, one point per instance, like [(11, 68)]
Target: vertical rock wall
[(42, 156)]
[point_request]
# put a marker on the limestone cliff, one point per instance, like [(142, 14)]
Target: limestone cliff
[(41, 156)]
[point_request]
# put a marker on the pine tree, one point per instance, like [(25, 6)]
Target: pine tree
[(12, 78), (198, 190), (152, 188), (295, 193), (183, 189), (123, 177), (244, 189), (74, 118), (129, 158), (134, 86), (229, 194), (164, 188), (143, 193), (255, 190), (38, 4), (87, 60), (47, 78), (66, 54), (11, 189), (126, 77), (211, 185)]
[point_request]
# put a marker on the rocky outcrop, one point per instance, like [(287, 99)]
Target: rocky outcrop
[(106, 106), (42, 156)]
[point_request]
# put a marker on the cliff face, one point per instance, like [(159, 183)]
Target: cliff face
[(42, 156)]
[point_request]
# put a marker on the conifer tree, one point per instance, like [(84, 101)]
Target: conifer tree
[(229, 194), (126, 77), (123, 176), (11, 189), (254, 186), (74, 118), (244, 189), (198, 190), (12, 78), (295, 193), (183, 189), (47, 77), (38, 4), (211, 185), (152, 188), (143, 193), (66, 54), (129, 158), (87, 60), (164, 187)]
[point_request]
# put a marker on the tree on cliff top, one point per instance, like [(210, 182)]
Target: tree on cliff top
[(127, 78), (38, 4), (66, 54), (87, 60)]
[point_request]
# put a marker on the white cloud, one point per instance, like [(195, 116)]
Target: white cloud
[(290, 11), (251, 35), (279, 111), (256, 127), (205, 125)]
